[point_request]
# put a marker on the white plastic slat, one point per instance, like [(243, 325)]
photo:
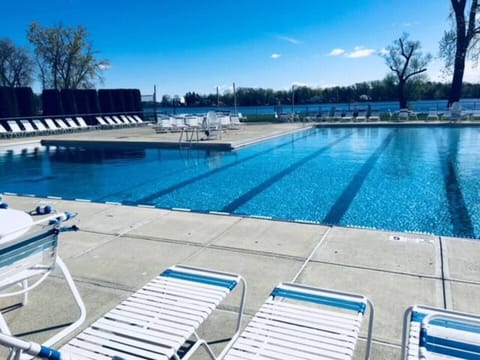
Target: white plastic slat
[(190, 292), (307, 314), (142, 348), (175, 300), (187, 288), (292, 332), (182, 322), (75, 351), (155, 323), (137, 332), (301, 321), (95, 348)]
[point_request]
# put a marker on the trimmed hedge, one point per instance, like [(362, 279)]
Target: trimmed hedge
[(8, 102), (25, 102), (52, 102), (69, 102), (105, 100)]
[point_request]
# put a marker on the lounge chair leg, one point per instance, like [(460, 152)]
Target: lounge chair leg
[(78, 300)]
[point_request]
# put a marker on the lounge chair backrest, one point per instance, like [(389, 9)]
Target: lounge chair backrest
[(138, 118), (125, 119), (3, 130), (71, 123), (430, 332), (62, 124), (51, 124), (101, 121), (211, 120), (109, 120), (117, 120), (81, 122), (27, 125), (14, 126), (304, 322), (39, 125)]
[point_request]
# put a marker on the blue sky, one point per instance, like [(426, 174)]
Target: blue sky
[(182, 46)]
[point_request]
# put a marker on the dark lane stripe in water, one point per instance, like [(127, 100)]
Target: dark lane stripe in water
[(148, 199), (345, 199), (459, 214), (235, 204)]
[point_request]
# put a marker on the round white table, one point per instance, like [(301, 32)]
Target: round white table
[(13, 223)]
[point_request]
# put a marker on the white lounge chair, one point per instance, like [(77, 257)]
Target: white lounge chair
[(433, 333), (63, 125), (126, 120), (374, 116), (81, 122), (110, 121), (3, 131), (14, 128), (303, 322), (138, 118), (101, 121), (120, 121), (39, 125), (52, 126), (153, 323), (348, 116), (361, 116), (71, 123), (432, 115), (29, 252), (29, 129)]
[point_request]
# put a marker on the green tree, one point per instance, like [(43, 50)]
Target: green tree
[(65, 57), (16, 65), (460, 42), (405, 60)]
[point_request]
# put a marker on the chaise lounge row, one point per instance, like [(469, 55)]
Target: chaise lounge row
[(117, 121), (25, 127), (295, 322)]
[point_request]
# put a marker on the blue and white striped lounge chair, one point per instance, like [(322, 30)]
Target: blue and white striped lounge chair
[(303, 322), (433, 333), (29, 253), (153, 323)]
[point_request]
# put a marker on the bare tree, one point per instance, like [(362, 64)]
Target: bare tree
[(16, 65), (460, 42), (405, 60), (65, 57)]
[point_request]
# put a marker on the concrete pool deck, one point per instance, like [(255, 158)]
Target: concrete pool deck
[(120, 248)]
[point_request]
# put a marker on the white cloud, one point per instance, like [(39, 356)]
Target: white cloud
[(275, 56), (289, 39), (105, 66), (360, 52), (383, 51), (336, 52)]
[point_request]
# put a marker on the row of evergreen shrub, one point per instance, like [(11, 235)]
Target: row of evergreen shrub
[(69, 102), (20, 102)]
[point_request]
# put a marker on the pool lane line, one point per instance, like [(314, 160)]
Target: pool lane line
[(459, 215), (341, 206), (148, 199), (241, 200)]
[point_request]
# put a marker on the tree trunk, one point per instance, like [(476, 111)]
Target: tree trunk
[(401, 95), (457, 81)]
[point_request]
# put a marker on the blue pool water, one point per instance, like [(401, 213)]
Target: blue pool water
[(419, 179)]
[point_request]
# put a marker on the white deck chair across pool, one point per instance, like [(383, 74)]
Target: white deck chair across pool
[(303, 322), (155, 322), (433, 333)]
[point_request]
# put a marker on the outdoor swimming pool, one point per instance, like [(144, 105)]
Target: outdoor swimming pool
[(419, 179)]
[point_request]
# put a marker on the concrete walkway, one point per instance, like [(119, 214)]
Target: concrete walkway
[(120, 248)]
